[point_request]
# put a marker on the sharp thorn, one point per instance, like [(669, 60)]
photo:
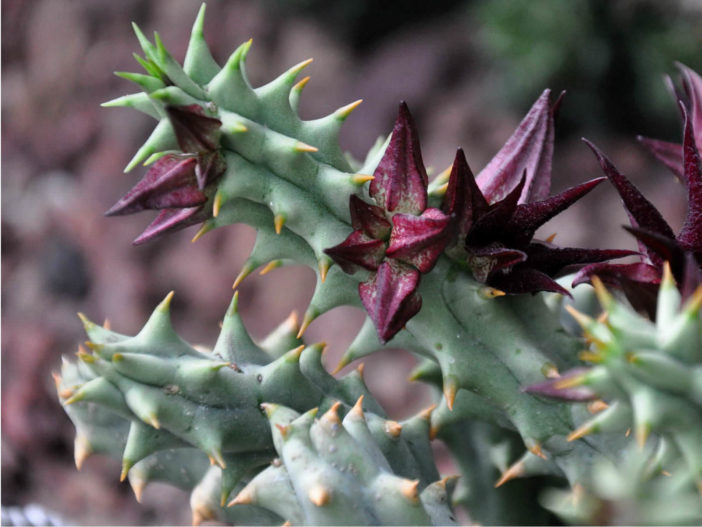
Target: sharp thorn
[(324, 266), (343, 112), (551, 238), (450, 389), (245, 497), (393, 429), (204, 229), (357, 409), (245, 271), (409, 490), (301, 84), (278, 222), (304, 147), (360, 179), (319, 495), (217, 203), (273, 264), (490, 292), (306, 321), (342, 363), (513, 472), (536, 450)]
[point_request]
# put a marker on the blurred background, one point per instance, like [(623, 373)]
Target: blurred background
[(469, 70)]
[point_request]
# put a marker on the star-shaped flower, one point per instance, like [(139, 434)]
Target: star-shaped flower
[(179, 184), (398, 237)]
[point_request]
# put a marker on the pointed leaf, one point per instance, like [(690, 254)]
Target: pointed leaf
[(358, 250), (640, 211), (670, 154), (419, 240), (400, 183), (690, 236), (530, 149), (170, 220), (194, 131), (525, 280), (484, 262), (369, 218), (530, 216), (390, 297), (169, 183), (490, 227), (463, 198), (553, 260), (666, 249)]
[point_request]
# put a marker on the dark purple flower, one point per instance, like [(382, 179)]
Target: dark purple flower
[(397, 237), (657, 241), (179, 185), (496, 239)]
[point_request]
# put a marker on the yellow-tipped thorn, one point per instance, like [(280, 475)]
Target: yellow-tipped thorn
[(306, 321), (216, 458), (293, 322), (57, 379), (426, 413), (393, 429), (296, 352), (694, 303), (601, 291), (278, 222), (360, 179), (357, 409), (342, 363), (343, 112), (286, 523), (666, 473), (490, 292), (581, 431), (217, 203), (578, 493), (245, 271), (319, 495), (550, 371), (297, 68), (628, 432), (667, 280), (84, 320), (433, 432), (301, 84), (304, 147), (409, 490), (569, 382), (165, 305), (323, 266), (274, 264), (245, 497), (332, 415), (441, 190), (81, 450), (153, 421), (642, 433), (450, 389), (361, 368), (138, 485), (536, 450), (107, 324), (283, 429), (202, 512), (590, 356), (71, 397), (126, 465), (581, 318), (597, 406), (551, 238), (513, 472), (444, 175)]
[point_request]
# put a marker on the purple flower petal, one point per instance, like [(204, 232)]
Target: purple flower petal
[(530, 216), (490, 227), (195, 132), (369, 218), (550, 388), (390, 297), (670, 154), (419, 240), (400, 183), (168, 184), (170, 220), (554, 260), (521, 280), (530, 149), (640, 211), (210, 166), (358, 250), (690, 237), (484, 262), (667, 249), (463, 198), (692, 276)]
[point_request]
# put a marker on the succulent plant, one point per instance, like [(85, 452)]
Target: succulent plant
[(441, 268)]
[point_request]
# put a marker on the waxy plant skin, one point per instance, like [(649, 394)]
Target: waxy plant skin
[(604, 415)]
